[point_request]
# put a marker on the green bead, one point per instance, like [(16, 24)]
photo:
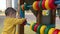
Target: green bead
[(26, 6), (48, 28), (40, 5), (38, 29), (33, 26)]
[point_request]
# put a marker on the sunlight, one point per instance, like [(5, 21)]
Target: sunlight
[(2, 5), (13, 3)]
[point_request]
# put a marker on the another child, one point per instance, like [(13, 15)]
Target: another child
[(11, 21)]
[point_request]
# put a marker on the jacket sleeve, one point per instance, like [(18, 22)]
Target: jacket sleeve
[(19, 21)]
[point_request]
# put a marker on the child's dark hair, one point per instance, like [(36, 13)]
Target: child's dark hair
[(9, 10)]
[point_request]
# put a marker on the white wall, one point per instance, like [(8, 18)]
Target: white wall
[(8, 3)]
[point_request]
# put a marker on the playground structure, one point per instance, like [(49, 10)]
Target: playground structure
[(37, 6), (43, 25)]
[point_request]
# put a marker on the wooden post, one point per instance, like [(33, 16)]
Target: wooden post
[(39, 17), (20, 27), (53, 16)]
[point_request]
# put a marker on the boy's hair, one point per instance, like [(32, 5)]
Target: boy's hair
[(9, 10)]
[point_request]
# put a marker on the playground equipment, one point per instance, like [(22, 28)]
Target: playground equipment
[(43, 4), (39, 27)]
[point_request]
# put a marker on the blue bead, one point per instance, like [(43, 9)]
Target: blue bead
[(22, 15)]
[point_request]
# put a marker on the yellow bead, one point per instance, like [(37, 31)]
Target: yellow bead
[(34, 5), (46, 4), (42, 29), (59, 33), (31, 25), (51, 31)]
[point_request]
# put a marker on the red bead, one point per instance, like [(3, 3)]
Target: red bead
[(43, 4), (37, 5), (56, 31), (35, 27), (51, 4)]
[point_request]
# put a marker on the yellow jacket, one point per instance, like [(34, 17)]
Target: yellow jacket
[(10, 25)]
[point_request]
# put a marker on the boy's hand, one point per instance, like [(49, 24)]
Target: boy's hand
[(24, 22)]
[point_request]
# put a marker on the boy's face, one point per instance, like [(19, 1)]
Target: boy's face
[(13, 15)]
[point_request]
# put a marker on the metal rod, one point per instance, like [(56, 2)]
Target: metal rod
[(57, 2)]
